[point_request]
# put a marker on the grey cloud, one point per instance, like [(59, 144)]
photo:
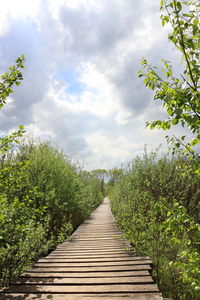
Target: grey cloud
[(68, 129), (96, 32), (96, 36), (82, 34), (24, 39), (133, 93)]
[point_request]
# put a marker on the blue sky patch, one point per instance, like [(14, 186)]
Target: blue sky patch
[(71, 77)]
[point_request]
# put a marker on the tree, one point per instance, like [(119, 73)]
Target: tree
[(101, 174), (180, 94), (8, 80)]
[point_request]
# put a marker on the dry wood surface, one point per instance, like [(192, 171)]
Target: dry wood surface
[(95, 263)]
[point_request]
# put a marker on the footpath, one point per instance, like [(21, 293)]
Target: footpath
[(95, 263)]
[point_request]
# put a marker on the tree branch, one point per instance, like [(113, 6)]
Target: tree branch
[(181, 40)]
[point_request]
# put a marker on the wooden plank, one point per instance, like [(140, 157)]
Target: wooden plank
[(96, 245), (91, 259), (92, 264), (78, 245), (91, 247), (118, 296), (105, 238), (75, 245), (106, 242), (92, 269), (107, 288), (90, 251), (86, 256), (86, 275), (86, 253), (100, 244), (101, 231), (85, 281), (98, 241), (115, 245)]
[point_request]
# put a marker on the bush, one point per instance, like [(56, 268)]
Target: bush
[(43, 199), (156, 207)]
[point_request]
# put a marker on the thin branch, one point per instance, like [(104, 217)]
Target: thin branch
[(194, 109), (181, 40), (187, 81), (185, 146)]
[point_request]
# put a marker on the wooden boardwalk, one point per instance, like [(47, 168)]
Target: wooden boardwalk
[(96, 263)]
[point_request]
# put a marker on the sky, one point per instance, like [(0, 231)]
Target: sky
[(81, 89)]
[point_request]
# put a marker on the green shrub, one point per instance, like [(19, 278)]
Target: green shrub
[(43, 199), (154, 204)]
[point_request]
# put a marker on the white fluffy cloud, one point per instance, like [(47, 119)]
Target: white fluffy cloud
[(80, 85)]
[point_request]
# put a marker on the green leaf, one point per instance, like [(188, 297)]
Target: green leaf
[(179, 6), (170, 111), (175, 121), (178, 111), (166, 19), (195, 22)]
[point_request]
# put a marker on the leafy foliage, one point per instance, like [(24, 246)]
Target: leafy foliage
[(180, 94), (7, 141), (144, 205), (9, 79), (43, 196), (43, 199), (157, 201)]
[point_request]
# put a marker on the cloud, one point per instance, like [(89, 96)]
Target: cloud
[(107, 152), (80, 84)]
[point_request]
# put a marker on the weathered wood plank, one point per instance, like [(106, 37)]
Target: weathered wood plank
[(75, 244), (92, 264), (91, 259), (86, 256), (118, 296), (91, 251), (104, 288), (92, 269), (85, 281), (85, 274)]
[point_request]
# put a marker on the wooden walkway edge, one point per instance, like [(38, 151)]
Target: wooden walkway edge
[(96, 263)]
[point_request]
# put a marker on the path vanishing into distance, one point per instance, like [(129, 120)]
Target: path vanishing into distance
[(96, 263)]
